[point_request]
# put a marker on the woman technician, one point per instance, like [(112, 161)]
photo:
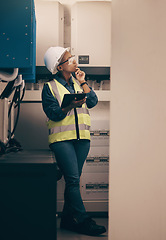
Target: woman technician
[(69, 135)]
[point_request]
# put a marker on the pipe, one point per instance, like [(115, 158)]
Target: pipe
[(8, 77)]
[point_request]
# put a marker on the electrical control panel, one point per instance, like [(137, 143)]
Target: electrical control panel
[(91, 33), (18, 37)]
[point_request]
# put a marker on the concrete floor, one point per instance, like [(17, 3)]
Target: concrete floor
[(64, 234)]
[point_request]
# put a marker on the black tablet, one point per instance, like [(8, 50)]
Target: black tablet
[(68, 98)]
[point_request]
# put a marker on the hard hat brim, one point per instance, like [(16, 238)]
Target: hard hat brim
[(53, 57), (59, 60)]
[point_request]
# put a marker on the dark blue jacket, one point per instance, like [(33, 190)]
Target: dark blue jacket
[(51, 105)]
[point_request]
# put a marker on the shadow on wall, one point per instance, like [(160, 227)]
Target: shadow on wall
[(31, 130)]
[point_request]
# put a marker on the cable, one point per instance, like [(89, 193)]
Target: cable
[(16, 99), (18, 113), (8, 90), (13, 100), (23, 93), (17, 84)]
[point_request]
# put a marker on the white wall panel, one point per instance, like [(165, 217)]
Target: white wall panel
[(49, 27), (91, 32)]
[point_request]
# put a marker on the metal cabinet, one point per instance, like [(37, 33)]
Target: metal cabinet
[(28, 196)]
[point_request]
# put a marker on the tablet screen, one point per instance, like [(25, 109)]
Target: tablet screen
[(68, 98)]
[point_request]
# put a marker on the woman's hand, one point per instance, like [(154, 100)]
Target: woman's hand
[(80, 75), (74, 104)]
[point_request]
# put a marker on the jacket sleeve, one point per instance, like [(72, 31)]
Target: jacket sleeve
[(51, 105), (91, 99)]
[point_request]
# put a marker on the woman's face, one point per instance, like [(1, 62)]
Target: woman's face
[(68, 63)]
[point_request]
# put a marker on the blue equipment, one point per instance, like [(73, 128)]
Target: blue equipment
[(18, 37), (17, 61)]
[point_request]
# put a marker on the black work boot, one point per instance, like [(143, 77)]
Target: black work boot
[(87, 227), (68, 223)]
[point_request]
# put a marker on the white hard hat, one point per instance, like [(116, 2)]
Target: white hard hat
[(53, 56)]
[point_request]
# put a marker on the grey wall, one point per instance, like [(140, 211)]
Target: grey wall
[(31, 130)]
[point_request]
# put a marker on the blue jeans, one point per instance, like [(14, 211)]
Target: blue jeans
[(70, 156)]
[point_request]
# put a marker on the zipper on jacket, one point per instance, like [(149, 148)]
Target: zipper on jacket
[(76, 123)]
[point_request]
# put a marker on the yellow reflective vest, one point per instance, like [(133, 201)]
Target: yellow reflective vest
[(75, 125)]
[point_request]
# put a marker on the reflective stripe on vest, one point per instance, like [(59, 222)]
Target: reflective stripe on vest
[(66, 129)]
